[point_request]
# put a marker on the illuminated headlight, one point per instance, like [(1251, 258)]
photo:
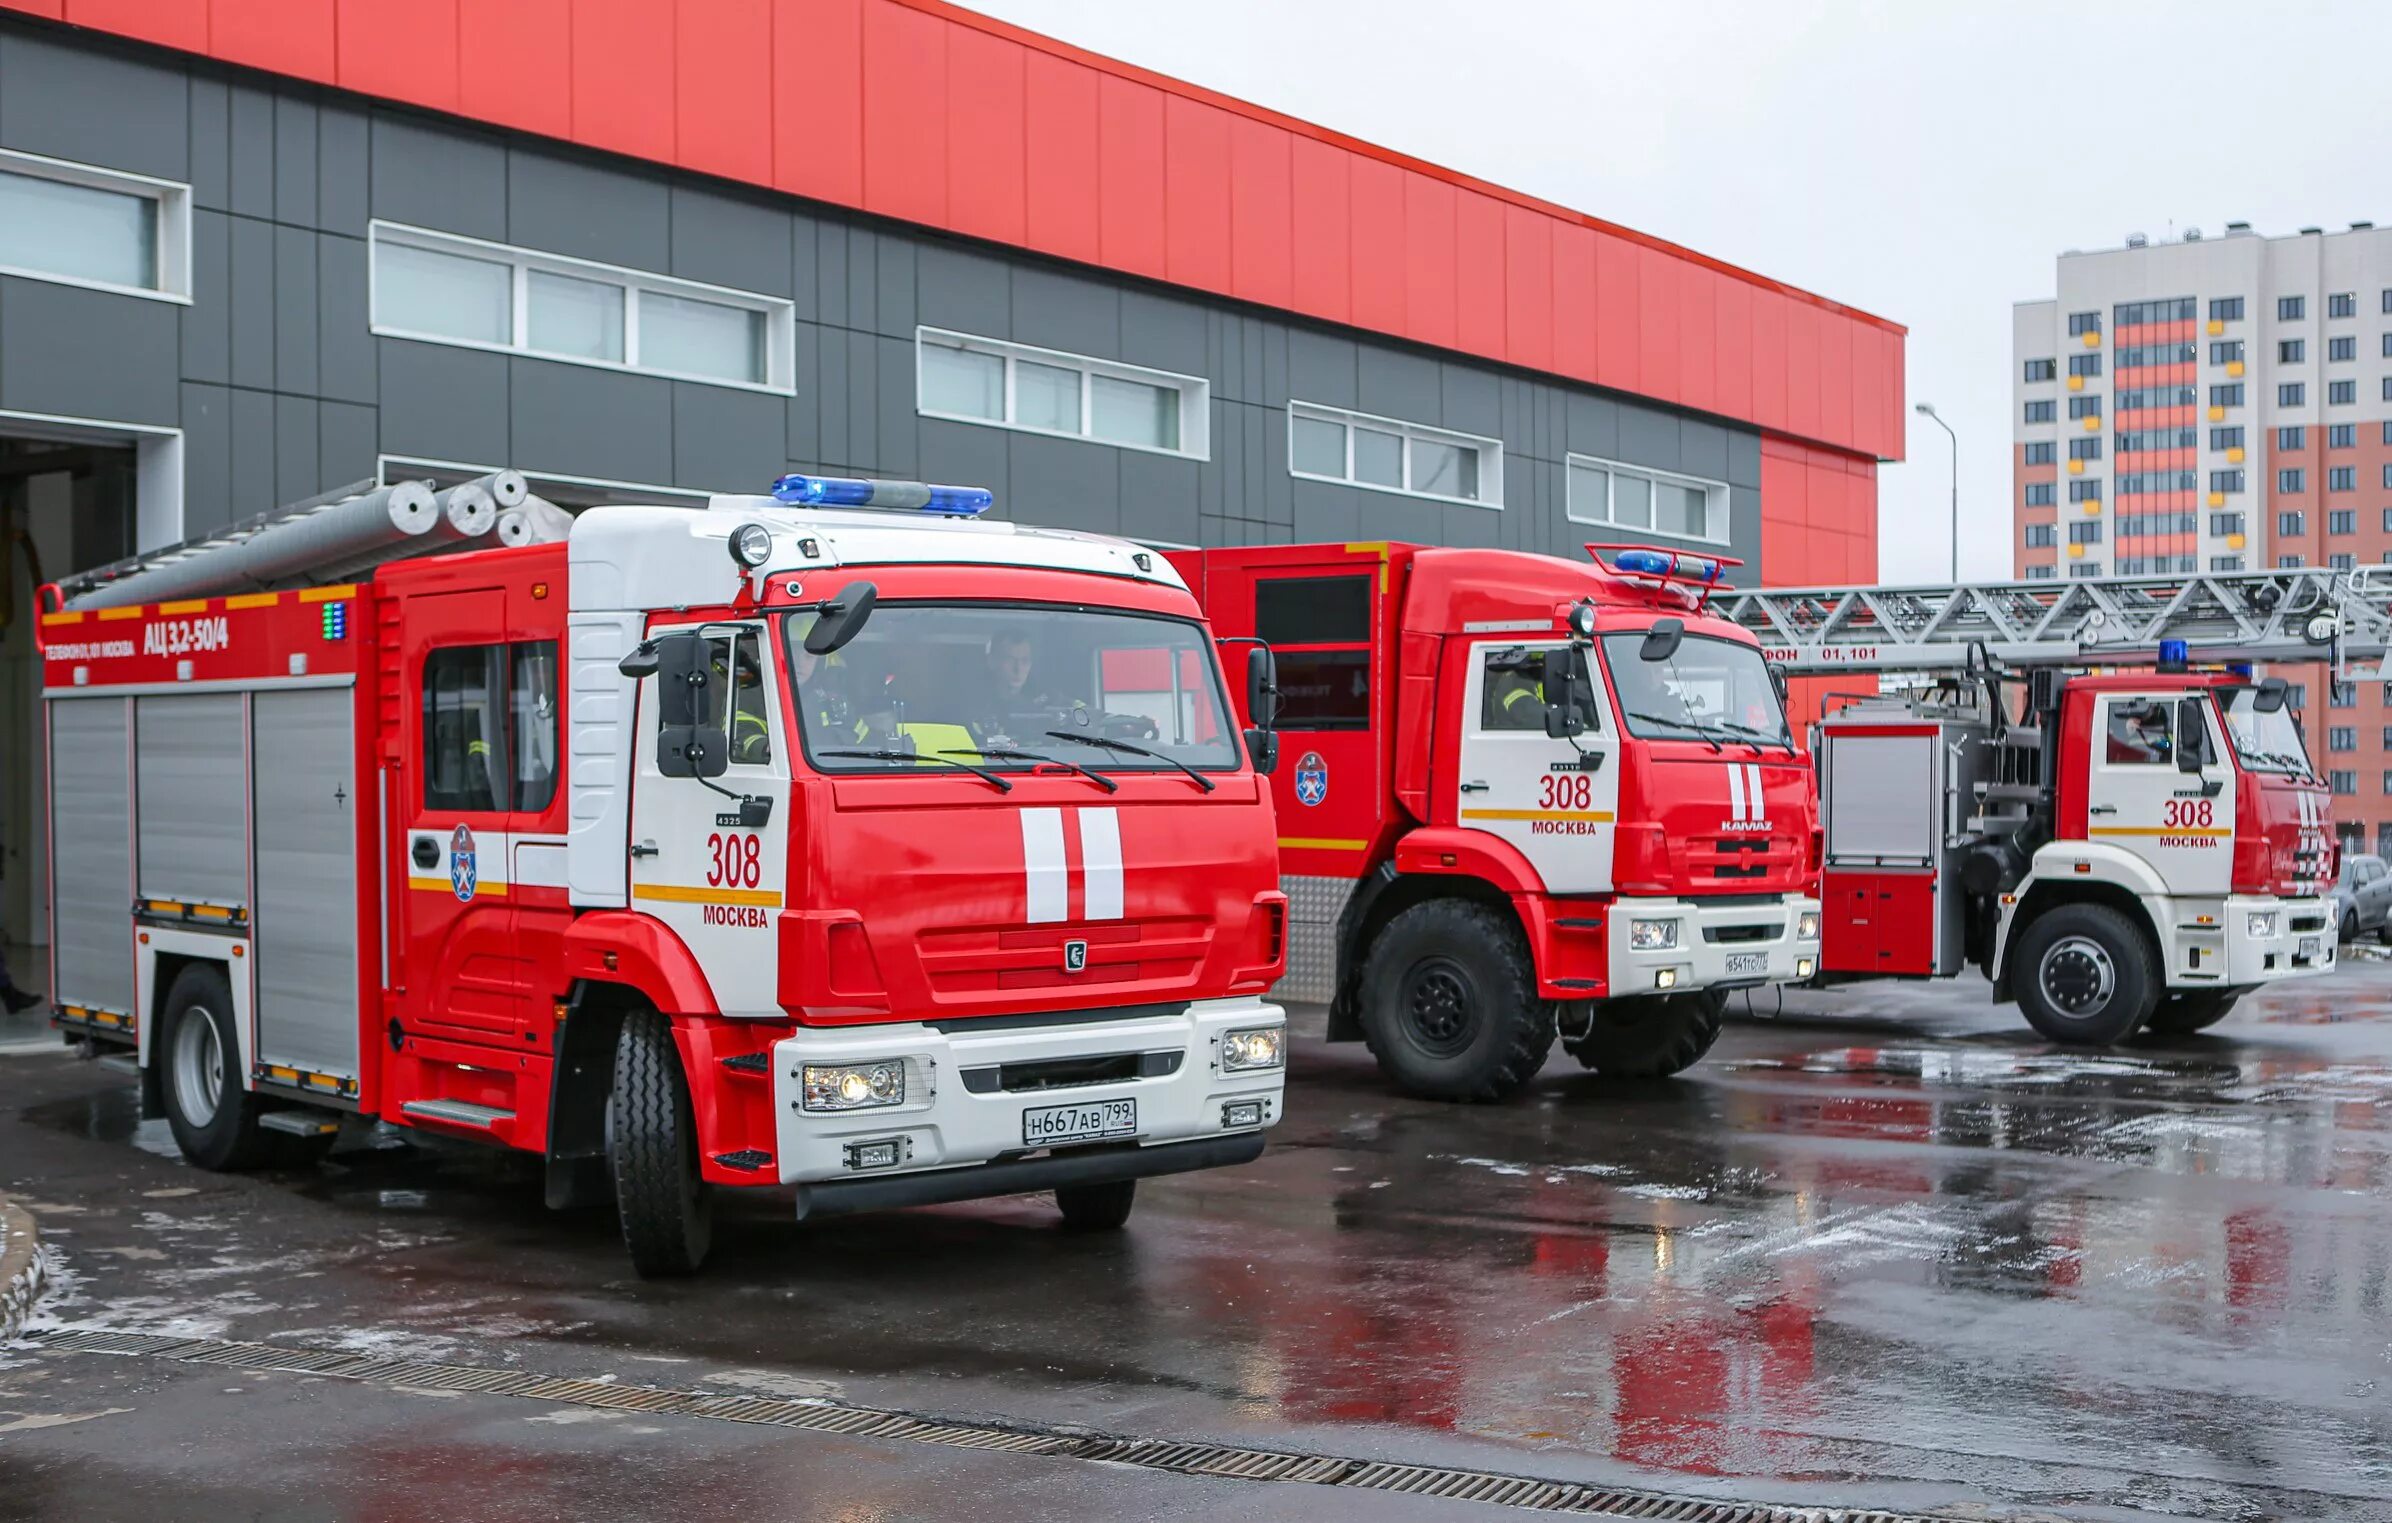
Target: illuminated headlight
[(751, 545), (2260, 924), (1260, 1047), (1652, 935), (1667, 978), (854, 1086), (1803, 968), (1806, 926)]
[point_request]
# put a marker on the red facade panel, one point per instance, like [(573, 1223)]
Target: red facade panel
[(817, 133), (398, 50), (1732, 307), (170, 23), (1619, 348), (1658, 339), (1261, 213), (1322, 232), (621, 72), (714, 122), (905, 114), (1060, 161), (1427, 243), (1377, 192), (1575, 308), (288, 37), (1478, 276), (1698, 344), (986, 196), (1196, 188), (1528, 288), (1129, 194)]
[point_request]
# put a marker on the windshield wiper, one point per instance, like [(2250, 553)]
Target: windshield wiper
[(892, 755), (1006, 753), (1757, 735), (1691, 728), (1106, 742)]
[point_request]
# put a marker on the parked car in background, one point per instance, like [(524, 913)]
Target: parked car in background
[(2363, 898)]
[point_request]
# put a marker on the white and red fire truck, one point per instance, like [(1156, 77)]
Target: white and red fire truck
[(1527, 798), (2091, 799), (706, 849)]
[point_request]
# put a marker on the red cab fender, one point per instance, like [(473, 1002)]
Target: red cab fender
[(1470, 854), (626, 947)]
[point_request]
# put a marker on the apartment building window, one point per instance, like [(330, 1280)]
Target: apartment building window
[(2042, 536), (2341, 393), (2293, 521), (2042, 412), (444, 289), (2344, 347), (2292, 351), (2083, 322), (2086, 570), (2084, 449), (2131, 356), (967, 379), (2343, 304), (81, 225), (2156, 438), (2084, 491), (2230, 395), (2387, 431), (2383, 830), (1602, 492), (2042, 370), (2342, 737), (2039, 452), (2084, 364), (2225, 563), (2388, 346), (2388, 488), (2134, 397), (2292, 394), (2388, 299), (2229, 309), (2342, 478), (2226, 481), (1387, 455), (2225, 351), (2342, 521), (2388, 738), (2291, 309), (2133, 483), (2131, 525), (2342, 561), (2387, 389), (2039, 495), (2086, 533), (2290, 562), (2388, 511), (2226, 438), (2173, 309), (2084, 407), (2225, 523), (2042, 573), (2296, 694), (2342, 695), (2342, 436), (2343, 783)]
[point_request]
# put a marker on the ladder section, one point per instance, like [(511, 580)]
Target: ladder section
[(2307, 614)]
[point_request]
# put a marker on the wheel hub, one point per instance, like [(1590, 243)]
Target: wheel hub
[(1440, 1006), (2077, 975), (198, 1066)]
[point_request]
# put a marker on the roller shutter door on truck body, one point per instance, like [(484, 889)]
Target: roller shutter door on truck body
[(305, 959), (194, 798), (91, 854)]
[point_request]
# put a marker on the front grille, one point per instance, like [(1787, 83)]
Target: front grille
[(1068, 1073), (1729, 935)]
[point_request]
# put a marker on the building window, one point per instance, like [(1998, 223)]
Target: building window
[(2342, 521), (80, 225), (2039, 452), (1327, 444), (2083, 322), (2345, 347), (2291, 394), (2383, 829), (2042, 370), (1042, 391), (2084, 364), (2134, 397), (2292, 436), (2342, 561), (2292, 351), (2086, 533), (2342, 737), (2173, 309), (2226, 351), (2388, 511), (2042, 536), (2159, 438), (2342, 478), (2230, 395), (2225, 563), (2042, 573), (2295, 521), (2344, 783), (2296, 695), (450, 290), (2134, 356), (2084, 449), (2039, 494), (2291, 309), (2341, 393), (2084, 491), (2226, 438), (2388, 299), (2388, 738), (2229, 309), (2085, 570), (2342, 436), (2226, 481), (1628, 497), (2084, 407), (2290, 562), (2225, 523), (2042, 412), (2343, 304), (2387, 393)]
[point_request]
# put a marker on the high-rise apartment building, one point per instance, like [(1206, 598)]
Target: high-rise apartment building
[(2219, 404)]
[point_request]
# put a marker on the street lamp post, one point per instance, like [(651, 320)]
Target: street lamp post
[(1928, 409)]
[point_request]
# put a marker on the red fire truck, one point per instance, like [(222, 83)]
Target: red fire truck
[(1528, 798), (895, 857), (2091, 799)]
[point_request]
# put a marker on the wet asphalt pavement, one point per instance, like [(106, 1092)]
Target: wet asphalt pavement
[(1903, 1254)]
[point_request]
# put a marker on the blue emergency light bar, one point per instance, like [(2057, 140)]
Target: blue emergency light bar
[(2174, 655), (1656, 563), (853, 492)]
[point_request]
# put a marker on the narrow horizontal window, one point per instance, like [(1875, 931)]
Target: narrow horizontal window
[(1630, 498), (79, 224), (984, 380), (1387, 455)]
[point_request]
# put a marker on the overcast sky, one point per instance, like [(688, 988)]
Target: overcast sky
[(1923, 160)]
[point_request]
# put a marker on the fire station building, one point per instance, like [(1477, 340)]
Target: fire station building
[(252, 250)]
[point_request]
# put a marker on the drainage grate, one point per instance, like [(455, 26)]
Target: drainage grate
[(819, 1416)]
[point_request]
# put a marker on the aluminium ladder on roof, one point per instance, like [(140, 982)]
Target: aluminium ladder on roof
[(2259, 616)]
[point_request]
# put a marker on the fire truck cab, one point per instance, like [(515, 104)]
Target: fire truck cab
[(891, 857), (1525, 798)]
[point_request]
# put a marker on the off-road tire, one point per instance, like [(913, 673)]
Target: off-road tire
[(2079, 945), (1450, 1006), (652, 1139), (1650, 1036), (2183, 1014), (223, 1137), (1097, 1208)]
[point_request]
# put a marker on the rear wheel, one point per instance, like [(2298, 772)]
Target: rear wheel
[(213, 1117), (2179, 1014), (1649, 1036), (2084, 976), (652, 1137), (1449, 1003), (1097, 1208), (2350, 925)]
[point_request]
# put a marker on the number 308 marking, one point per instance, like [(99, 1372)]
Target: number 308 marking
[(1565, 790), (736, 861), (2183, 814)]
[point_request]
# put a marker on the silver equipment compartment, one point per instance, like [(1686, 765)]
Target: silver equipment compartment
[(91, 849), (304, 950), (193, 800)]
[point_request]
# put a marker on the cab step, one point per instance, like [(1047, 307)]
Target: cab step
[(301, 1123), (457, 1113)]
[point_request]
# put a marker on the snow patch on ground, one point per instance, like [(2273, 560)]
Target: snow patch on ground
[(773, 1383)]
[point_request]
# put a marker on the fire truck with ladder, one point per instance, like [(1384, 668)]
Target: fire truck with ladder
[(2085, 792), (685, 849), (1530, 798)]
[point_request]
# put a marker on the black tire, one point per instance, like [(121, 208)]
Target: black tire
[(2084, 976), (2183, 1014), (2383, 934), (1097, 1208), (1450, 1006), (2350, 926), (212, 1115), (652, 1138), (1650, 1036)]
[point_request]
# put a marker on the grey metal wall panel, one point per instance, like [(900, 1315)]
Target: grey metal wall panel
[(253, 452), (440, 176), (211, 141), (345, 369), (207, 322), (587, 422), (566, 204), (252, 145), (729, 241), (207, 457), (1158, 495), (253, 302), (295, 310), (444, 403), (295, 432), (1068, 313), (294, 161), (89, 354), (91, 841), (894, 284), (342, 168), (725, 439), (345, 443), (305, 957), (193, 798), (93, 105), (962, 290)]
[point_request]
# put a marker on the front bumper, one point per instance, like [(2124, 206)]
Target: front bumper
[(957, 1112), (2263, 959), (1732, 946)]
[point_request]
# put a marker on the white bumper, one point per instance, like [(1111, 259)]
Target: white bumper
[(1731, 944), (2300, 939), (956, 1111)]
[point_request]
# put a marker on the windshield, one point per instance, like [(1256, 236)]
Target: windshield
[(1710, 689), (2265, 742), (931, 685)]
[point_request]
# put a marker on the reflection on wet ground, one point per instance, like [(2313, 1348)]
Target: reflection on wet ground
[(1881, 1247)]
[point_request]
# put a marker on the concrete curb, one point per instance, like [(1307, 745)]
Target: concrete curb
[(23, 1267)]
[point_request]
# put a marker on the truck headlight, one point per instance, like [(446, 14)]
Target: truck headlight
[(1652, 935), (2260, 924), (1258, 1047), (1806, 926), (853, 1086)]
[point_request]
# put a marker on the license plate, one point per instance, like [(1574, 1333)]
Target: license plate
[(1051, 1125), (2312, 945), (1747, 962)]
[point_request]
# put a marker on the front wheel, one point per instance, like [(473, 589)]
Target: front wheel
[(1649, 1036), (1449, 1003), (2350, 926), (1097, 1208), (652, 1138), (2084, 976), (2181, 1014)]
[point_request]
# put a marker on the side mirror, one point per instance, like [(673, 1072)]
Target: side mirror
[(1262, 690), (686, 745), (1562, 673), (641, 662), (1777, 680), (1661, 641), (842, 620), (1262, 748), (2192, 734), (2270, 697)]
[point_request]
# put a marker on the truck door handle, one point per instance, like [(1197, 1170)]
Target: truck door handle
[(426, 852), (1474, 787), (2103, 809), (644, 849)]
